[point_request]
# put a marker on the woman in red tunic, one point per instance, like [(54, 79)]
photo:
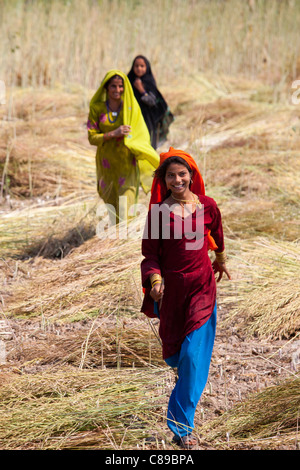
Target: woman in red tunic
[(179, 282)]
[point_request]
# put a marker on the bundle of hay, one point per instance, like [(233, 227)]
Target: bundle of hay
[(267, 289), (69, 408), (49, 228), (267, 419), (101, 277), (44, 151), (105, 343)]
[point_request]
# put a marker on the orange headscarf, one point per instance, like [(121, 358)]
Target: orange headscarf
[(159, 190)]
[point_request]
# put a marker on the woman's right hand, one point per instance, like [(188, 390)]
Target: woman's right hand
[(157, 292), (138, 84), (122, 131)]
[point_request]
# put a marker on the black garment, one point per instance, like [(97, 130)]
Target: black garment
[(155, 110)]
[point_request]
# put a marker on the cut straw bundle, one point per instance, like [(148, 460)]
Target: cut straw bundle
[(101, 277), (233, 123), (106, 343), (44, 151), (48, 228), (79, 409), (271, 414), (266, 291)]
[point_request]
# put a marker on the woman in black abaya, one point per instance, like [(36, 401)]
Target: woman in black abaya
[(154, 108)]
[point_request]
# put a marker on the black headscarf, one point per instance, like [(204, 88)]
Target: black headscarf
[(153, 116), (147, 79)]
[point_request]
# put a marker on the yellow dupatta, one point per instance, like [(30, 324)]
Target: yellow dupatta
[(138, 141)]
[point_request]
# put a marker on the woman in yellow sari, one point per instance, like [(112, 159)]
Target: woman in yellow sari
[(125, 158)]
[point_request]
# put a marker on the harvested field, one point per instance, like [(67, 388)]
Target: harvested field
[(80, 366)]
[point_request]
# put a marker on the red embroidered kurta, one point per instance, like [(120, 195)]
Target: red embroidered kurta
[(190, 287)]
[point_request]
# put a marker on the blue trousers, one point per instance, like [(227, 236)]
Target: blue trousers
[(192, 362)]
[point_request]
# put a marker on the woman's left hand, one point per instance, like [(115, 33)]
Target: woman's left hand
[(220, 268)]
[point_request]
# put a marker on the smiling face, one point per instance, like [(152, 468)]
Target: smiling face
[(139, 67), (178, 179), (115, 89)]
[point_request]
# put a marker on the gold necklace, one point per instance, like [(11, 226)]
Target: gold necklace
[(194, 201)]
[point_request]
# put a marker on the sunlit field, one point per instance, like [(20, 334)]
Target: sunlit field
[(63, 42), (80, 365)]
